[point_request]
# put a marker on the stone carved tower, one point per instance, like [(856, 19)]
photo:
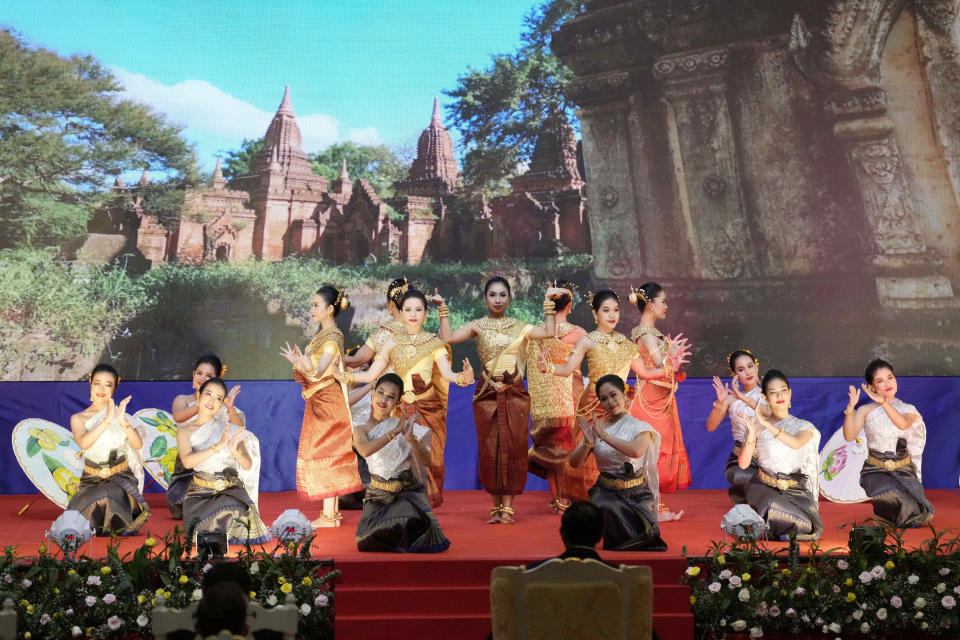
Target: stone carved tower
[(435, 171), (283, 189)]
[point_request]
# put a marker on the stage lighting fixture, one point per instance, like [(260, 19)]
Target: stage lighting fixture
[(70, 530), (743, 523), (212, 544), (291, 526), (867, 540)]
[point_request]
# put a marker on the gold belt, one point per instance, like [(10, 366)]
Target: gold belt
[(393, 486), (412, 396), (619, 484), (780, 483), (317, 386), (105, 472), (217, 485), (888, 464), (661, 383)]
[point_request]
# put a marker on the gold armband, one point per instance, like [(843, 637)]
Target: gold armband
[(348, 377), (849, 412), (717, 404), (549, 307), (443, 310)]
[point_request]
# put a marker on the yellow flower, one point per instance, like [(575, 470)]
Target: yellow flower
[(693, 571), (745, 577), (159, 591), (150, 542), (253, 595), (56, 590), (281, 580), (286, 587), (785, 572), (166, 594), (783, 592), (721, 560), (71, 572), (849, 582), (153, 601), (306, 581), (693, 600), (42, 548), (292, 546), (30, 608), (816, 592), (27, 635), (141, 598), (851, 596), (105, 570), (889, 565), (184, 580)]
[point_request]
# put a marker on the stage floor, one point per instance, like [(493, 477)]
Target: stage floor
[(535, 535)]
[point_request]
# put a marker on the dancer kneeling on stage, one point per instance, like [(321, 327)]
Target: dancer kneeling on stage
[(110, 494), (784, 491), (396, 511), (215, 449), (895, 437), (626, 451)]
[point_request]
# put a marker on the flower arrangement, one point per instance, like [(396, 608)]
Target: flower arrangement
[(59, 595), (743, 589)]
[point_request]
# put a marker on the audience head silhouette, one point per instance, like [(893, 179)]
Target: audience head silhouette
[(581, 525), (223, 606)]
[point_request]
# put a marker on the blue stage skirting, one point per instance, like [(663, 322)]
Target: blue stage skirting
[(274, 412)]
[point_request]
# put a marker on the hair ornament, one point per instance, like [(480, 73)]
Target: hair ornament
[(511, 279), (341, 300), (395, 292), (223, 370), (636, 295), (90, 377), (744, 350)]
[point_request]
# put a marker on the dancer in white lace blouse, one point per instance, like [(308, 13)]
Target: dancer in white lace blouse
[(895, 437), (784, 492)]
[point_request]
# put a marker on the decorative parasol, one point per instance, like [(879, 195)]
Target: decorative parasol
[(840, 464), (50, 457)]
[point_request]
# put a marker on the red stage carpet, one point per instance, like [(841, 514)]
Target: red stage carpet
[(446, 595)]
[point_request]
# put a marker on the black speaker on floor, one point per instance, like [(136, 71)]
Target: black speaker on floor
[(867, 540), (212, 544)]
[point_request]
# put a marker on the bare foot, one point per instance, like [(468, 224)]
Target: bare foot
[(327, 521), (667, 515), (506, 515), (495, 516)]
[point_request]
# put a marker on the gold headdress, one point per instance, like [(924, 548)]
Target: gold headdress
[(637, 294), (744, 350), (341, 300), (396, 291), (223, 370), (511, 280)]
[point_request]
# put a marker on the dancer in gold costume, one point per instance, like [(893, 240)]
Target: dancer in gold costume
[(422, 360), (553, 407), (501, 404), (374, 342)]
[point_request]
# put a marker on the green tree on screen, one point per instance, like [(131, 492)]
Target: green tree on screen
[(500, 110), (64, 135), (377, 164), (239, 162)]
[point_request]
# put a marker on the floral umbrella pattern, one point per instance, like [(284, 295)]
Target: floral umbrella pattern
[(159, 451), (840, 464), (50, 457)]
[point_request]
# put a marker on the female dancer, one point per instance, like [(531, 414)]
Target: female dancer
[(501, 405), (422, 361), (184, 409), (396, 515), (607, 352), (738, 406), (895, 438), (215, 450), (784, 491), (654, 400), (374, 342), (626, 451), (553, 407), (110, 491), (326, 463)]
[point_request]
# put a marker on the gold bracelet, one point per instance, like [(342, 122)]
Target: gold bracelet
[(549, 312), (849, 412), (549, 305), (718, 405), (461, 380), (778, 433), (443, 311), (348, 377)]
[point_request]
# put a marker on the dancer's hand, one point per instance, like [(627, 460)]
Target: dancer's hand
[(407, 429), (231, 396), (338, 369), (680, 344), (436, 298), (876, 397), (589, 434), (224, 438), (234, 442), (721, 389), (111, 410), (854, 395), (121, 410), (753, 425), (555, 292), (737, 393), (467, 372), (677, 359), (542, 362), (296, 357)]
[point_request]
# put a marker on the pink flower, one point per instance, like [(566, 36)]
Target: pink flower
[(735, 582), (948, 602), (790, 613), (896, 602), (93, 580), (836, 588), (321, 601), (878, 572), (714, 587), (842, 565), (944, 571), (866, 577), (109, 598), (114, 622), (913, 579), (774, 611), (26, 583), (800, 591), (726, 573), (90, 600), (44, 619), (207, 567)]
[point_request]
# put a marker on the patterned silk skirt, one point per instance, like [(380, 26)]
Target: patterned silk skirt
[(784, 503), (179, 482), (501, 413), (220, 503), (891, 483), (110, 501), (326, 463), (397, 517), (432, 407), (737, 477), (629, 513), (656, 405)]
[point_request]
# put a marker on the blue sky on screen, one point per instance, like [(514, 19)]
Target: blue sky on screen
[(362, 70)]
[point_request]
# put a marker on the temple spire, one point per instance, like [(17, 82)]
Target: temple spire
[(286, 106), (436, 112), (344, 176), (218, 179)]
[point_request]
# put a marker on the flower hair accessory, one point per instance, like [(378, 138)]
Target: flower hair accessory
[(744, 350), (223, 370), (637, 294)]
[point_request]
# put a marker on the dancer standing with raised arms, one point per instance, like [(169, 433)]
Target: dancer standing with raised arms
[(895, 438), (374, 342), (422, 360), (501, 404), (326, 463), (553, 408), (655, 400), (110, 494), (737, 405)]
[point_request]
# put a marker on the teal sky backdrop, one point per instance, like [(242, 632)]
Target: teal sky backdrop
[(363, 70)]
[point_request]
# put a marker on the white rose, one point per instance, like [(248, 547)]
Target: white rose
[(271, 600), (197, 594), (76, 631), (857, 614), (920, 603), (756, 632), (918, 615), (913, 579), (744, 595), (44, 619), (739, 625), (866, 577), (941, 588), (834, 627), (881, 614), (305, 609), (865, 628), (924, 626), (93, 580), (143, 620), (255, 568), (207, 567)]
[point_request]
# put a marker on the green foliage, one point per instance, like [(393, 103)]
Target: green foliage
[(239, 162), (64, 135), (377, 164), (500, 109)]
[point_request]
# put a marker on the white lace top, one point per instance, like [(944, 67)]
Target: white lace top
[(205, 437), (737, 422), (777, 457), (394, 457), (882, 434), (113, 437)]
